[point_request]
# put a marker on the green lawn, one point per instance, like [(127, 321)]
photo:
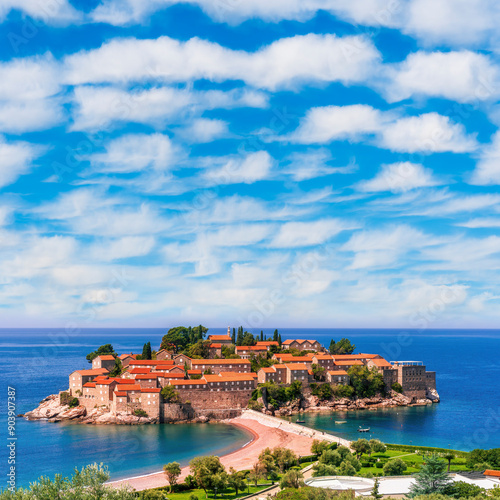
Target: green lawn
[(228, 494), (412, 459)]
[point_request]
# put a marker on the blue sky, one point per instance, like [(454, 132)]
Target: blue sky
[(265, 163)]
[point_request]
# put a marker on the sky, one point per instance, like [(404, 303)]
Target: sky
[(273, 163)]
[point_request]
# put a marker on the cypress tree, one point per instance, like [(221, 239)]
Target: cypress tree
[(233, 338), (275, 335), (239, 337), (261, 336), (148, 350), (200, 333), (279, 339)]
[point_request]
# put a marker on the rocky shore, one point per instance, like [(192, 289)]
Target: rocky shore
[(51, 409), (315, 404)]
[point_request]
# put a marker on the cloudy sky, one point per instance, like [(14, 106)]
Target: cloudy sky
[(266, 163)]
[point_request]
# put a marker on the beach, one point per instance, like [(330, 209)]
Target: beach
[(265, 432)]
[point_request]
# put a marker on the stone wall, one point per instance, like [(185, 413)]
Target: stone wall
[(430, 379)]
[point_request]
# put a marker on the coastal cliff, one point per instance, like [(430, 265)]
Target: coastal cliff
[(311, 403), (52, 410)]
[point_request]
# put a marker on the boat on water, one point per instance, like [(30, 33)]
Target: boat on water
[(300, 421), (340, 421), (361, 429)]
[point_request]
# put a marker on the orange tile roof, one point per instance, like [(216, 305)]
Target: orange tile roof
[(228, 377), (220, 362), (337, 372), (89, 384), (96, 371), (150, 389), (279, 365), (106, 357), (147, 376), (490, 472), (139, 370), (219, 337), (106, 382), (290, 357), (296, 366), (215, 346), (121, 380), (131, 387), (194, 372), (346, 362), (322, 356), (380, 362), (250, 348), (152, 362), (171, 375), (188, 382), (269, 369), (267, 342), (120, 393)]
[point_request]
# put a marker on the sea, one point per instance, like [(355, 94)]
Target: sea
[(37, 362)]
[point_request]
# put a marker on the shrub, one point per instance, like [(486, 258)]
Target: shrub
[(73, 403), (397, 387), (343, 391), (255, 405), (395, 467), (64, 398), (379, 465), (139, 412)]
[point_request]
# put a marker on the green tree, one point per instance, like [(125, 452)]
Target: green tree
[(176, 339), (248, 339), (366, 382), (170, 395), (375, 490), (233, 338), (146, 351), (395, 467), (172, 471), (279, 339), (347, 469), (239, 337), (377, 446), (275, 336), (284, 458), (84, 484), (261, 336), (343, 346), (209, 473), (324, 470), (449, 456), (431, 478), (461, 489), (331, 457), (292, 479), (117, 369), (257, 472), (236, 480), (105, 349), (201, 349), (361, 446), (318, 447), (318, 372), (397, 387), (267, 462)]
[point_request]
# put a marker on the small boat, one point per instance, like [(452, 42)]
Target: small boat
[(340, 421), (367, 429), (300, 421)]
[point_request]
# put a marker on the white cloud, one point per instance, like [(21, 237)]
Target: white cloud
[(483, 222), (303, 234), (463, 76), (385, 247), (16, 159), (204, 130), (487, 170), (287, 62), (122, 248), (468, 204), (399, 177), (427, 133), (135, 153), (58, 12), (329, 123), (246, 169), (99, 107)]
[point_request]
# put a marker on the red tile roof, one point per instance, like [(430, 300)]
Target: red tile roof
[(151, 362), (105, 382), (494, 473), (120, 393), (89, 384), (188, 382), (337, 372), (220, 362), (346, 362), (250, 348), (300, 341), (131, 387), (106, 357), (194, 372), (381, 362), (215, 346), (139, 370), (171, 375), (96, 371), (150, 389), (267, 342), (269, 369), (147, 376), (219, 337), (293, 359), (296, 366), (123, 356)]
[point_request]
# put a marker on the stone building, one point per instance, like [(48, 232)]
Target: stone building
[(220, 339), (79, 378), (337, 377), (302, 345), (163, 354), (221, 365), (104, 361), (247, 351)]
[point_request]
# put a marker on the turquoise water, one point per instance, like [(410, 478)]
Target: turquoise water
[(37, 363)]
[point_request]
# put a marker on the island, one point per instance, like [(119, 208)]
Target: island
[(196, 377)]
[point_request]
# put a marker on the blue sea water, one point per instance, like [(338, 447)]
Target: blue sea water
[(37, 363)]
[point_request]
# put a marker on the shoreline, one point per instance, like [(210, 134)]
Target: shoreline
[(266, 431)]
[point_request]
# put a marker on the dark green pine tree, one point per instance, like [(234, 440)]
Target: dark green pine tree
[(275, 336), (200, 333), (333, 347), (146, 351), (233, 338), (239, 337), (431, 478), (261, 336), (191, 336), (279, 339), (375, 490), (149, 354)]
